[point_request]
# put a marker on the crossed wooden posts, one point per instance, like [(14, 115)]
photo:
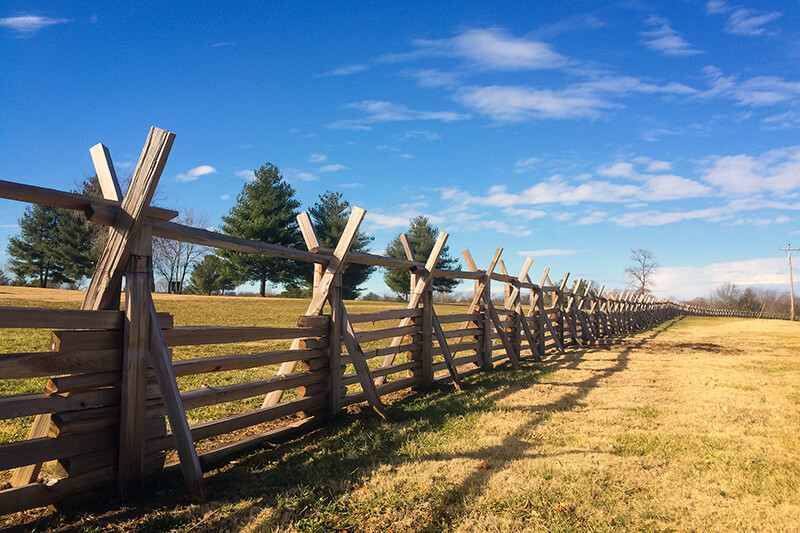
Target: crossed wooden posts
[(143, 339)]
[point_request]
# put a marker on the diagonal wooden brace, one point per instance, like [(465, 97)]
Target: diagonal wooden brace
[(360, 364), (424, 281), (448, 357), (335, 266)]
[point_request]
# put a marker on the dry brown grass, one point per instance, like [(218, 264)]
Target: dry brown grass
[(691, 426)]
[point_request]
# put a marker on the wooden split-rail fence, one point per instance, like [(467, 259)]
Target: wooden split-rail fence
[(100, 421)]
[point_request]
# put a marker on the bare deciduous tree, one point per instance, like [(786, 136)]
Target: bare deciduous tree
[(173, 260), (642, 272)]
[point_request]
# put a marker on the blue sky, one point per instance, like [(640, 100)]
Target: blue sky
[(569, 131)]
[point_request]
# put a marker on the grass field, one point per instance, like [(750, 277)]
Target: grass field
[(691, 426)]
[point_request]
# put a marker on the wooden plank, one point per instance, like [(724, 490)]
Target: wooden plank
[(223, 454), (44, 364), (307, 230), (198, 335), (188, 367), (108, 272), (469, 318), (28, 473), (34, 495), (314, 321), (240, 421), (335, 352), (335, 266), (47, 318), (71, 384), (106, 175), (462, 346), (382, 352), (352, 379), (448, 357), (360, 364), (159, 355), (180, 232), (68, 200), (461, 333), (34, 403), (32, 451), (392, 314), (205, 396), (368, 336)]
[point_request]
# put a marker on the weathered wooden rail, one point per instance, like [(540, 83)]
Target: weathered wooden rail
[(112, 381)]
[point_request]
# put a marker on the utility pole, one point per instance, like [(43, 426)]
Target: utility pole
[(789, 251)]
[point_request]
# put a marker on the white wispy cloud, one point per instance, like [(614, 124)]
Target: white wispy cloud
[(722, 213), (301, 175), (331, 168), (617, 170), (546, 252), (520, 103), (224, 43), (742, 21), (594, 217), (379, 111), (662, 38), (524, 214), (380, 221), (584, 100), (782, 121), (345, 70), (29, 25), (225, 197), (249, 175), (486, 48), (773, 171), (434, 77), (350, 185), (758, 91), (526, 165), (317, 158), (420, 135), (195, 173)]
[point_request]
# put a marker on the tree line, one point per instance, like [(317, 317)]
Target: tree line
[(57, 247)]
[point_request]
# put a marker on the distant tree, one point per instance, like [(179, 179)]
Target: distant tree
[(330, 214), (421, 236), (265, 211), (211, 276), (174, 259), (4, 278), (641, 273), (699, 301), (727, 296), (749, 301), (52, 247)]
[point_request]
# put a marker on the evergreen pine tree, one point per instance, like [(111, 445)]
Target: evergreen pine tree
[(421, 236), (330, 215), (265, 210)]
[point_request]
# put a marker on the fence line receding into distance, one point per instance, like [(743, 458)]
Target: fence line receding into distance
[(112, 381)]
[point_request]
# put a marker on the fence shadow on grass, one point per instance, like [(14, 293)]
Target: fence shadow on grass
[(305, 479)]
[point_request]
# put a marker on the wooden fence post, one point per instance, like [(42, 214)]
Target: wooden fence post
[(335, 349), (135, 358), (427, 337)]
